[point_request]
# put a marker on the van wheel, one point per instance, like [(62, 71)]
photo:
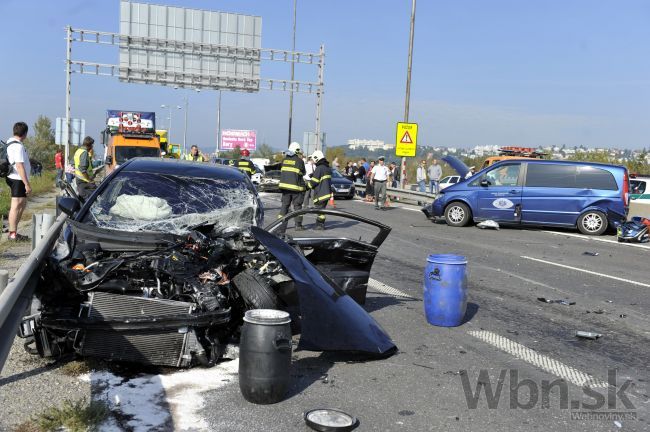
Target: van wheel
[(457, 214), (592, 223)]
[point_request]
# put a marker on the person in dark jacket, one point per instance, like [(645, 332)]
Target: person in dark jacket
[(244, 163), (292, 184), (321, 183)]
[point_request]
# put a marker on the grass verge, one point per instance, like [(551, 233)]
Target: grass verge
[(79, 416), (40, 185)]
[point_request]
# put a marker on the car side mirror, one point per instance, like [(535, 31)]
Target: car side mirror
[(485, 182), (69, 205), (109, 160)]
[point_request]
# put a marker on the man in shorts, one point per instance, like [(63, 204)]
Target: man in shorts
[(18, 179)]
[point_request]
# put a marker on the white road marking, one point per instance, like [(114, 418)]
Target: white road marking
[(386, 289), (583, 237), (541, 361), (587, 271)]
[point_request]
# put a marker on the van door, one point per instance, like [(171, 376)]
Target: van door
[(499, 195), (550, 195)]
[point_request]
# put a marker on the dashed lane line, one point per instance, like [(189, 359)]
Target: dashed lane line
[(582, 237), (587, 271), (381, 287), (536, 359)]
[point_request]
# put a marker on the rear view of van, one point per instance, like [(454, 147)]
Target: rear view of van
[(587, 196)]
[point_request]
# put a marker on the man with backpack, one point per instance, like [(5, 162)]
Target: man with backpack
[(15, 166)]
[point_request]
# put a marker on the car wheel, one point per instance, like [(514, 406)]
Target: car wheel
[(592, 222), (457, 214), (256, 293)]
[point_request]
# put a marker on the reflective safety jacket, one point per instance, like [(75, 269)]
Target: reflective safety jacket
[(246, 166), (291, 172), (82, 163), (321, 181)]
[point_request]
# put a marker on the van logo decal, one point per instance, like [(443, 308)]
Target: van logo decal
[(503, 203)]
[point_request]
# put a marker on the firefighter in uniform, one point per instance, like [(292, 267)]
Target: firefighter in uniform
[(292, 184), (244, 163), (321, 183)]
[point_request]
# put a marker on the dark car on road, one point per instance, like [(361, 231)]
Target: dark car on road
[(341, 186), (159, 265)]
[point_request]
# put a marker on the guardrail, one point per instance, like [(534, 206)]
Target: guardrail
[(17, 295), (402, 194)]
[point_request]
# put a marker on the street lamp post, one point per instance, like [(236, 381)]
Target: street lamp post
[(218, 123), (187, 105), (169, 126), (293, 49), (408, 86)]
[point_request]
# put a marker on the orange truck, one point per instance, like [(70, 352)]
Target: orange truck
[(129, 134)]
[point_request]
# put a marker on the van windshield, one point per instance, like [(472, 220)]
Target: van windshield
[(124, 153)]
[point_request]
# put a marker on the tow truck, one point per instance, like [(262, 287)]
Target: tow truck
[(129, 134)]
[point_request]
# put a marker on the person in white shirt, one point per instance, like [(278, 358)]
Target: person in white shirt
[(421, 176), (18, 179), (378, 178), (309, 193)]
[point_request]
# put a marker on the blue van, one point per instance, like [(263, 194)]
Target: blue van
[(589, 196)]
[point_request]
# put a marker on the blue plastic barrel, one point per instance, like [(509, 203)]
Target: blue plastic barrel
[(445, 290)]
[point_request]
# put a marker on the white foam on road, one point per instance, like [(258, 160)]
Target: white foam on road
[(583, 237), (152, 402), (587, 271), (536, 359), (381, 287)]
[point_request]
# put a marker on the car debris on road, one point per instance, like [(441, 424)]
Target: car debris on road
[(588, 335)]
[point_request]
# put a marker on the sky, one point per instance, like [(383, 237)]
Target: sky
[(498, 72)]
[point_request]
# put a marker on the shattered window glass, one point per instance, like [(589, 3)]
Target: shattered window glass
[(141, 201)]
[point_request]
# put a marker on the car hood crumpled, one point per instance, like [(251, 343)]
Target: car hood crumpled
[(330, 319)]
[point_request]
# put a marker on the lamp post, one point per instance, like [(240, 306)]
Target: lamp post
[(407, 98), (293, 49), (169, 126), (218, 123), (187, 104)]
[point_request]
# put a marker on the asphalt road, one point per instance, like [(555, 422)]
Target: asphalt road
[(507, 332), (507, 329)]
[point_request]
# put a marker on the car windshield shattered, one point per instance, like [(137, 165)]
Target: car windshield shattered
[(144, 201)]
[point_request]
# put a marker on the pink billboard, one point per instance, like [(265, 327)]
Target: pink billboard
[(244, 139)]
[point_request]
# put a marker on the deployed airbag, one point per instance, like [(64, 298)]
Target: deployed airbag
[(141, 207)]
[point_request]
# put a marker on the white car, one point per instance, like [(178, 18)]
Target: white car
[(448, 181)]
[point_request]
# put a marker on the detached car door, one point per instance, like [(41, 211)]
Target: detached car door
[(499, 194)]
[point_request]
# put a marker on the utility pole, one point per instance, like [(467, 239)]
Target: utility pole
[(293, 65), (68, 84), (218, 123), (185, 129), (319, 97), (408, 87)]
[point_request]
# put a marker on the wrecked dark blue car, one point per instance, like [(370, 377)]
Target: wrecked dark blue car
[(161, 262)]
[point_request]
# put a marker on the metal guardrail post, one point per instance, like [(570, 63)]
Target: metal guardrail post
[(41, 223), (4, 280)]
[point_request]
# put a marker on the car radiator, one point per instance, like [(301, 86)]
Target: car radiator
[(163, 347)]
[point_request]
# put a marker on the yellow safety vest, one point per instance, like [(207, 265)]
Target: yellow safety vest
[(77, 161)]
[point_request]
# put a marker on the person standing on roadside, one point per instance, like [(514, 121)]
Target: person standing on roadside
[(244, 163), (321, 183), (292, 184), (18, 178), (58, 164), (309, 193), (394, 174), (379, 175), (435, 174), (195, 155), (421, 176), (83, 168)]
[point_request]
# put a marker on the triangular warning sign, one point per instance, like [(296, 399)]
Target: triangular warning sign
[(406, 139)]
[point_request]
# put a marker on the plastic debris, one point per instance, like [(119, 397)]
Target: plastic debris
[(591, 253), (488, 224), (618, 424), (588, 335), (562, 302)]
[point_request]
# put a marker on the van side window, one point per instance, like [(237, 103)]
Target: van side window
[(595, 178), (551, 175), (569, 176)]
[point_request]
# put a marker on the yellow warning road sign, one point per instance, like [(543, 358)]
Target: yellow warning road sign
[(406, 139)]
